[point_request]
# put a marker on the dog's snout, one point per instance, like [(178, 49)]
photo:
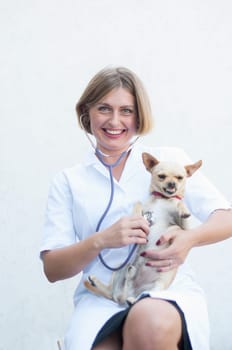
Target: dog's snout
[(171, 184)]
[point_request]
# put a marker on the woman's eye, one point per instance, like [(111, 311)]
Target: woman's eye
[(103, 109), (127, 111)]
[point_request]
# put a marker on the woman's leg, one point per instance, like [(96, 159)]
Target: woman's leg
[(112, 342), (152, 324)]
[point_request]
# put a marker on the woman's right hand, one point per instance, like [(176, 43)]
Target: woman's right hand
[(66, 262), (127, 230)]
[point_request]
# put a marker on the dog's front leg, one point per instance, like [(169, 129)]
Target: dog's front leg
[(182, 215), (183, 211), (138, 208)]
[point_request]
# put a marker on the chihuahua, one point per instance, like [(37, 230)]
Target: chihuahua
[(164, 210)]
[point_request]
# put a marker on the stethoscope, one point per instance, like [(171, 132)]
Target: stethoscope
[(110, 167)]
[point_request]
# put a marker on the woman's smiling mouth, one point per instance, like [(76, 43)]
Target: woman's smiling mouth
[(114, 131)]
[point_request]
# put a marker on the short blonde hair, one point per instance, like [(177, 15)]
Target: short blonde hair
[(105, 81)]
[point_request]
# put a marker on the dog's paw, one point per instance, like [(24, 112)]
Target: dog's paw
[(137, 210), (92, 280), (91, 283), (131, 271), (185, 215), (131, 300)]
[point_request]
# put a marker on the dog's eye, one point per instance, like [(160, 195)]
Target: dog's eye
[(179, 178), (162, 176)]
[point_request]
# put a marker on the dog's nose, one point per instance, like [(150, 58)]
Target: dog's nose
[(171, 184)]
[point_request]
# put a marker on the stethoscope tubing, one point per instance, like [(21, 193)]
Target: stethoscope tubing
[(110, 168)]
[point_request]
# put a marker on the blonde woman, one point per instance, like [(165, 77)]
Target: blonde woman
[(89, 227)]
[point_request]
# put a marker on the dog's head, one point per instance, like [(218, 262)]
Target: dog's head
[(168, 178)]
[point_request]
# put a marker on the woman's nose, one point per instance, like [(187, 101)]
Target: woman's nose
[(115, 117)]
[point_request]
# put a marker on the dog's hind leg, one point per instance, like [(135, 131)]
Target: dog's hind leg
[(99, 288)]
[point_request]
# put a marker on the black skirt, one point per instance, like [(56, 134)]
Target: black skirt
[(116, 323)]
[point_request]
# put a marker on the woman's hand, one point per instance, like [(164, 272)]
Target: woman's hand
[(172, 256), (216, 228), (127, 230)]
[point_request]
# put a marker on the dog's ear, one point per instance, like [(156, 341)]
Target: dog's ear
[(190, 169), (149, 161)]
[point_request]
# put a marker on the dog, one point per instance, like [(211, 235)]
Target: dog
[(164, 210)]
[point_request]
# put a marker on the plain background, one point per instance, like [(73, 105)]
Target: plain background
[(182, 50)]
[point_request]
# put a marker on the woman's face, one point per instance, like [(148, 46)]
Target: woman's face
[(113, 121)]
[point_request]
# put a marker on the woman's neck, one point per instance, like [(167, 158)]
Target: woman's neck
[(116, 162)]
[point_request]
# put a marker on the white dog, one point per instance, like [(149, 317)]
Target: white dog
[(164, 210)]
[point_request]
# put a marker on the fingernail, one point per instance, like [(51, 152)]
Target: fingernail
[(143, 254), (158, 242), (148, 264)]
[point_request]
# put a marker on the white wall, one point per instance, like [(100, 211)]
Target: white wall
[(49, 50)]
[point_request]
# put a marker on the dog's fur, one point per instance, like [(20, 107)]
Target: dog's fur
[(164, 210)]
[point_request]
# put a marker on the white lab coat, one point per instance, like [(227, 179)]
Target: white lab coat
[(77, 199)]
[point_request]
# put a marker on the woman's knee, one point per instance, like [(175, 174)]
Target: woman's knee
[(150, 321)]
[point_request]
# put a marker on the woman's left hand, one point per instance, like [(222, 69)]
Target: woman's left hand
[(171, 256)]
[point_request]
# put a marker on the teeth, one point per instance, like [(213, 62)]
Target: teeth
[(169, 191), (113, 132)]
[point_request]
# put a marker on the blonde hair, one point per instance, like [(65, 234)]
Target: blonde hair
[(105, 81)]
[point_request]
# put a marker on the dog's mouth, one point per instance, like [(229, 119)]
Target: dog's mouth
[(170, 189)]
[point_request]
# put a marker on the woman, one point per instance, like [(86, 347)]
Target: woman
[(83, 224)]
